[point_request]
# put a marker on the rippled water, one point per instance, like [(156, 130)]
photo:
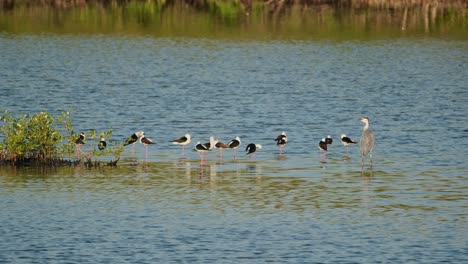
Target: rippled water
[(301, 207)]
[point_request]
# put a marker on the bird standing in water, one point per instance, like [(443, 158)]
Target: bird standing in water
[(251, 148), (146, 141), (234, 144), (221, 146), (367, 141), (80, 141), (182, 141), (281, 141), (204, 148), (347, 141), (201, 148), (323, 146), (133, 139)]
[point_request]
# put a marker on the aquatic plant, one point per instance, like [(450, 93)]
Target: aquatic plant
[(42, 139)]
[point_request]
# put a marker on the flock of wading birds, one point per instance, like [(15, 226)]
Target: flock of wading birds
[(366, 143)]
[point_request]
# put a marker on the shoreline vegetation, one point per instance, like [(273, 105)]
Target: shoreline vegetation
[(44, 140), (247, 4), (244, 18)]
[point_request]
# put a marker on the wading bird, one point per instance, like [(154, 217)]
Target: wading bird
[(203, 148), (367, 141), (221, 146), (281, 141), (146, 141), (133, 139), (182, 141), (251, 148), (323, 146), (80, 141), (346, 141), (234, 144), (102, 144)]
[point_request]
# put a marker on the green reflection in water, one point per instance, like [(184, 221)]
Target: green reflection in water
[(232, 20), (251, 188)]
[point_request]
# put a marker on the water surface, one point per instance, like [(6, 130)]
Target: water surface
[(300, 207)]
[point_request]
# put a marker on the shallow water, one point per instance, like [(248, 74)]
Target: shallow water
[(299, 207)]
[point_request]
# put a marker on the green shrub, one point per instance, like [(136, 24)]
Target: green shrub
[(43, 138)]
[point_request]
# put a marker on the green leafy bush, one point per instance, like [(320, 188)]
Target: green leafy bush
[(43, 138)]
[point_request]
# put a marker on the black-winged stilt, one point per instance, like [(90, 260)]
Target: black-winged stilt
[(133, 139), (146, 141), (329, 140), (347, 141), (251, 148), (221, 146), (323, 146), (80, 141), (234, 144), (102, 144), (182, 141), (281, 141), (201, 148)]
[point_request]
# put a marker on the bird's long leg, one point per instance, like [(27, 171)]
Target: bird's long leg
[(78, 151), (183, 150), (133, 150), (362, 164), (201, 158), (146, 152)]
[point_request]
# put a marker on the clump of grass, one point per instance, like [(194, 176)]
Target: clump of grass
[(44, 139)]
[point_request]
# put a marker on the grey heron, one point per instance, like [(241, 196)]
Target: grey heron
[(367, 140)]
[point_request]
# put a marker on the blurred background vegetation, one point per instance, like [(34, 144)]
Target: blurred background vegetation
[(238, 18)]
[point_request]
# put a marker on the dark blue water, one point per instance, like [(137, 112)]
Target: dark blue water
[(299, 207)]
